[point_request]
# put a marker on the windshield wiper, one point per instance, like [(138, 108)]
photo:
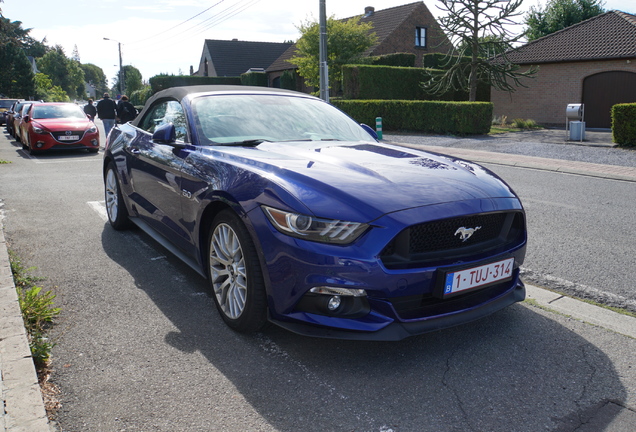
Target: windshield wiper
[(250, 142)]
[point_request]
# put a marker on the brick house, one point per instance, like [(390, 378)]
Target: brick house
[(592, 62), (410, 28)]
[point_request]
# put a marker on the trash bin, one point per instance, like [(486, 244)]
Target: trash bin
[(577, 131)]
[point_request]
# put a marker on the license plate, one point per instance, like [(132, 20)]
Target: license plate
[(68, 137), (478, 276)]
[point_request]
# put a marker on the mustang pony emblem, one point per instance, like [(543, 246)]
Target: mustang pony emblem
[(466, 233)]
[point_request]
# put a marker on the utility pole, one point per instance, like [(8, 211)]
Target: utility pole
[(121, 70), (324, 68)]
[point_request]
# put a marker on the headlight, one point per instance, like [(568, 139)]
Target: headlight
[(92, 129), (313, 228), (38, 129)]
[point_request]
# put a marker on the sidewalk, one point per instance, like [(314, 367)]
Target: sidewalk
[(593, 138), (21, 405)]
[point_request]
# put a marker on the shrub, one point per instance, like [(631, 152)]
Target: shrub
[(423, 116), (519, 123), (624, 124), (254, 79), (162, 82), (288, 80), (395, 59), (391, 83)]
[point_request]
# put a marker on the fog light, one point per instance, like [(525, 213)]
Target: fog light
[(39, 144), (334, 303), (94, 142)]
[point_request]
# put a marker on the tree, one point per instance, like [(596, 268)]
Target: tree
[(132, 80), (94, 76), (477, 28), (346, 42), (16, 74), (63, 71), (559, 14), (46, 91)]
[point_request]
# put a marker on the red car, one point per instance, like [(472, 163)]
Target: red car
[(58, 126)]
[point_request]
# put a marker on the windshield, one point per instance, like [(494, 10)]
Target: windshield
[(57, 111), (230, 119), (6, 103)]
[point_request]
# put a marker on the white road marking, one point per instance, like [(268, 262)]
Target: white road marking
[(100, 209)]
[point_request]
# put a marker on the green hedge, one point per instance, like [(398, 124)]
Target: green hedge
[(624, 124), (254, 79), (162, 82), (395, 59), (387, 82), (458, 118)]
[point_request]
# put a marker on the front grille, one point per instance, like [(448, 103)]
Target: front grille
[(439, 242), (416, 307)]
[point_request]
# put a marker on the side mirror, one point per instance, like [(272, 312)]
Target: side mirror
[(26, 118), (165, 134), (370, 131)]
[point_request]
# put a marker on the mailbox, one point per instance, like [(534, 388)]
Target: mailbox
[(574, 112)]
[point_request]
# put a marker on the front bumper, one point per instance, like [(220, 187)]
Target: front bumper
[(396, 331)]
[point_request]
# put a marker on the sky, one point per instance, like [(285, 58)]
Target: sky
[(167, 36)]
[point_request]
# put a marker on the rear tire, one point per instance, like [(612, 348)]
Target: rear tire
[(115, 205), (235, 275)]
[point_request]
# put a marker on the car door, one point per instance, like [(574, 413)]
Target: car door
[(155, 172)]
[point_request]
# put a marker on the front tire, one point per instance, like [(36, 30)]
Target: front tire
[(115, 205), (235, 275)]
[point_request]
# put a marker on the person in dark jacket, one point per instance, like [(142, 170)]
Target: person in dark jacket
[(90, 110), (125, 110), (107, 112)]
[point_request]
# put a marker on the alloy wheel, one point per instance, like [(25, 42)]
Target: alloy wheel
[(228, 272)]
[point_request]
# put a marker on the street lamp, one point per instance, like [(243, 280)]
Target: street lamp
[(121, 72)]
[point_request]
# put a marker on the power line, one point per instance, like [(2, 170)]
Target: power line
[(174, 27)]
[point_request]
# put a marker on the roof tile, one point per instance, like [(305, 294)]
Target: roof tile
[(607, 36)]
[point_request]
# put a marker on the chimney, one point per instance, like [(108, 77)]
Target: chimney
[(368, 11)]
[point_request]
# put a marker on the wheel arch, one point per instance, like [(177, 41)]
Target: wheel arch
[(205, 224)]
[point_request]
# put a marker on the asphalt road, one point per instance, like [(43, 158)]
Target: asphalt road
[(140, 347)]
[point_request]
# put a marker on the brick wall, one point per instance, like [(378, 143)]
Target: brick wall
[(402, 39), (554, 87)]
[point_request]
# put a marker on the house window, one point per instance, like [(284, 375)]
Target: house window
[(420, 37)]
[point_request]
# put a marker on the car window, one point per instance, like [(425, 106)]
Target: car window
[(6, 103), (164, 112)]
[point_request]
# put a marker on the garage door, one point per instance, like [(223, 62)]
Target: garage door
[(601, 91)]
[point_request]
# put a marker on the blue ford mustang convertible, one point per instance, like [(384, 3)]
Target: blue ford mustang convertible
[(298, 216)]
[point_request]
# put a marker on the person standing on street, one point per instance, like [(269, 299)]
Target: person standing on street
[(125, 110), (90, 110), (107, 111)]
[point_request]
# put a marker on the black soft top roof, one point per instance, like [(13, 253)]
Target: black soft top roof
[(179, 93)]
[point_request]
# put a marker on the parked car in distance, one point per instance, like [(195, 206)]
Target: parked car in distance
[(299, 216), (9, 117), (5, 106), (19, 110), (57, 126)]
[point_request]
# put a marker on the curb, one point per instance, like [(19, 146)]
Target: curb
[(589, 313), (22, 407)]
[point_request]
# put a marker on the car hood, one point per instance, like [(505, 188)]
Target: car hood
[(63, 124), (372, 178)]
